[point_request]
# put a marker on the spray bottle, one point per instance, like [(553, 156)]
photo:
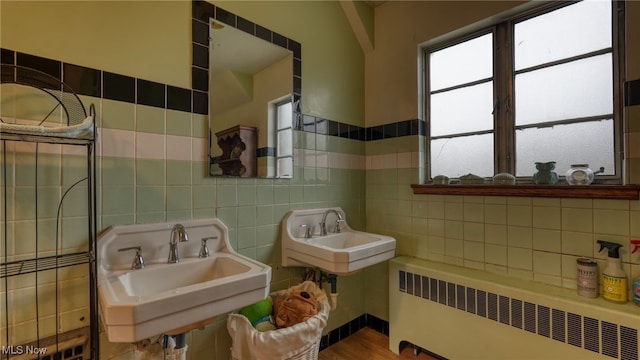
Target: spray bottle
[(636, 281), (614, 279)]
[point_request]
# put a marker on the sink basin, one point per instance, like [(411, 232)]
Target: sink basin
[(167, 298), (344, 240), (341, 253), (186, 273)]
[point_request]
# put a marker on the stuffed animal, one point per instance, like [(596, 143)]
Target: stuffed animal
[(259, 314), (296, 307)]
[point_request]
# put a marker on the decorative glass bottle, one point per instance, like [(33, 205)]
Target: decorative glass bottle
[(579, 174), (545, 175)]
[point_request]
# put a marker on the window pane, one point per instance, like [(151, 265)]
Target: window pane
[(462, 63), (569, 31), (285, 142), (284, 115), (285, 167), (462, 155), (582, 143), (576, 89), (462, 110)]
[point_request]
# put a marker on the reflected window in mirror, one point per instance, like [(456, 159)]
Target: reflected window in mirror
[(284, 136)]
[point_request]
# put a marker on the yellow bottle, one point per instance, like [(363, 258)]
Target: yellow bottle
[(614, 279)]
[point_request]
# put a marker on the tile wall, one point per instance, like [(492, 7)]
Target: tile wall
[(152, 167), (535, 239)]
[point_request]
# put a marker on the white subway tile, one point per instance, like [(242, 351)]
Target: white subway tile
[(117, 143), (150, 146), (178, 147)]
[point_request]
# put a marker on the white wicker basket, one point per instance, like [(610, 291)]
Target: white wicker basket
[(297, 342)]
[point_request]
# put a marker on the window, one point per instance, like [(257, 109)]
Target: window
[(543, 86), (284, 139)]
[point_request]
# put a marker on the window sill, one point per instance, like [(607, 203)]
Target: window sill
[(617, 192)]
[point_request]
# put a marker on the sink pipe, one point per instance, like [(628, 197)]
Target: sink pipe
[(175, 347), (332, 279)]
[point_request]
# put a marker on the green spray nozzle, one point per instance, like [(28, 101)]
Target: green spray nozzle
[(612, 247), (636, 245)]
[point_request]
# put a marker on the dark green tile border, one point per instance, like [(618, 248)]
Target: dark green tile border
[(107, 85), (350, 328), (202, 12), (98, 83)]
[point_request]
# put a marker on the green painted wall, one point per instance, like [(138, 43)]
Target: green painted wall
[(139, 180), (327, 43)]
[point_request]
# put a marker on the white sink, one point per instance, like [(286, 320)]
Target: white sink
[(167, 298), (186, 273), (341, 253)]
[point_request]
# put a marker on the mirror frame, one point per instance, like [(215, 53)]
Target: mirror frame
[(202, 13)]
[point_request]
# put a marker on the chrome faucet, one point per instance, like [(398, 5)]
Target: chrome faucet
[(178, 234), (138, 261), (307, 230), (323, 223)]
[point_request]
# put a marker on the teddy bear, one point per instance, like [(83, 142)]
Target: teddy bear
[(296, 307)]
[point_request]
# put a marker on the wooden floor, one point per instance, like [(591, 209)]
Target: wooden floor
[(367, 344)]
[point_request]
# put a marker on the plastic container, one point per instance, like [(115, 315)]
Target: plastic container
[(614, 280)]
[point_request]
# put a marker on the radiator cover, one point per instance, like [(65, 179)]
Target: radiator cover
[(460, 313)]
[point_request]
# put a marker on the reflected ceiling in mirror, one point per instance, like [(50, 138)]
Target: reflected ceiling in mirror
[(253, 99)]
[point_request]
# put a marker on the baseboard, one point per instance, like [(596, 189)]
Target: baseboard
[(346, 330)]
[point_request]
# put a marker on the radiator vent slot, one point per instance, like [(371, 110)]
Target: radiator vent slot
[(574, 329), (628, 343), (530, 317), (451, 294), (503, 310), (442, 292), (471, 300), (482, 303), (433, 285), (591, 334), (544, 321), (558, 330), (493, 306), (609, 339), (516, 313), (460, 302)]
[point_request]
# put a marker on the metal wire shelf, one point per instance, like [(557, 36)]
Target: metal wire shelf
[(20, 267), (65, 116)]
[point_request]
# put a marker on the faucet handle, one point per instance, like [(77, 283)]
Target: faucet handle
[(204, 250), (339, 222), (138, 261), (307, 230)]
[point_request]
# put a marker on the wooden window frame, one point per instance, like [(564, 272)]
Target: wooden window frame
[(503, 77)]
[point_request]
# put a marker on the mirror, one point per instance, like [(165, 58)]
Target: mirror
[(251, 91)]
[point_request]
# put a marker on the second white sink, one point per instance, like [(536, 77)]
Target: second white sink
[(342, 253), (344, 240)]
